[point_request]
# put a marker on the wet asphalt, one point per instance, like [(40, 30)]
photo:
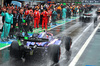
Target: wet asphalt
[(74, 29)]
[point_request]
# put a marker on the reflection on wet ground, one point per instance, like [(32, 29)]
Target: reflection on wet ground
[(74, 33), (4, 55), (60, 29), (39, 59)]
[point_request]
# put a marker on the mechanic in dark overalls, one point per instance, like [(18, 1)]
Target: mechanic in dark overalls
[(20, 19), (14, 24), (29, 20), (80, 10), (85, 9), (68, 12)]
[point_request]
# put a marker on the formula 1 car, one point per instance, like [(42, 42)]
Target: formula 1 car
[(27, 45), (97, 18), (86, 17)]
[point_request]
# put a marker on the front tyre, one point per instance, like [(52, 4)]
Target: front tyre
[(67, 42)]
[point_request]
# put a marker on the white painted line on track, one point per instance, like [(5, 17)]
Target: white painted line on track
[(76, 58), (81, 35)]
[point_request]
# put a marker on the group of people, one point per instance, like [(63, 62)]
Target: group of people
[(23, 18)]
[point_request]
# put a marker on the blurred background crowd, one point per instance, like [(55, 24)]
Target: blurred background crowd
[(27, 18)]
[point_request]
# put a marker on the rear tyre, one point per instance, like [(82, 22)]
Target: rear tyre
[(67, 42), (54, 53), (15, 50)]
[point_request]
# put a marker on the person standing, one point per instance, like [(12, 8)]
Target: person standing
[(12, 7), (64, 13), (50, 16), (12, 30), (44, 19), (54, 15), (29, 20), (80, 10), (58, 12), (36, 18), (75, 12), (30, 9), (8, 6), (14, 18), (20, 19), (3, 17), (27, 11), (69, 12), (7, 24)]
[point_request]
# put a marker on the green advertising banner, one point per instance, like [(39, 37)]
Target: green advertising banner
[(78, 2)]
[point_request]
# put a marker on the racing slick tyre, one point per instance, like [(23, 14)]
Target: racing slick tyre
[(54, 53), (67, 42), (15, 50)]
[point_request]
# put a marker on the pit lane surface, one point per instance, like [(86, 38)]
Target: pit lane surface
[(91, 55), (73, 29)]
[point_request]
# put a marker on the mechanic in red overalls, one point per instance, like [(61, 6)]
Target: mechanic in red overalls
[(36, 18), (27, 12), (44, 19)]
